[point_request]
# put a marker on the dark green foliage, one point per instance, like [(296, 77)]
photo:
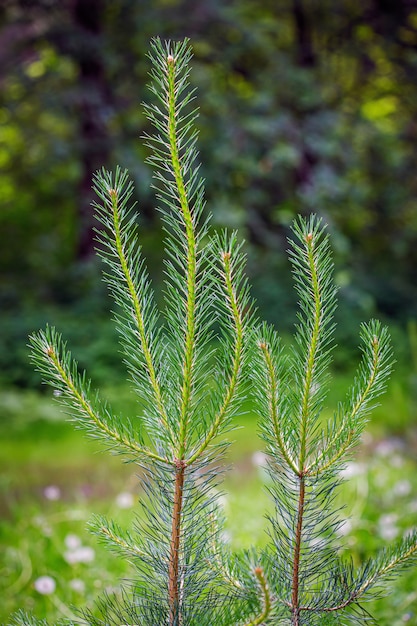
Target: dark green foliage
[(307, 109)]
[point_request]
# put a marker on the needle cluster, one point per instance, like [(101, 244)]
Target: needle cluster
[(191, 365)]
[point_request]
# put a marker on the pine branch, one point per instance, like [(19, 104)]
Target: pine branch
[(273, 387), (129, 283), (312, 268), (174, 144), (266, 609), (174, 158), (238, 310), (73, 390), (386, 564), (21, 618), (370, 382), (117, 539)]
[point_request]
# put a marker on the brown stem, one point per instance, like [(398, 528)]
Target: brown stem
[(295, 608), (173, 591)]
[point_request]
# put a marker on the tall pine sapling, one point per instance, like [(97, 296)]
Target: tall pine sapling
[(187, 366), (188, 389)]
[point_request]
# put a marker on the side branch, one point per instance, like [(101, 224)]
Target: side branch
[(266, 597), (238, 323), (355, 596), (348, 421), (118, 542), (406, 550), (85, 407), (273, 386), (124, 264)]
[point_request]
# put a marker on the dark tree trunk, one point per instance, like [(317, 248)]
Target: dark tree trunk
[(305, 58), (93, 110), (303, 38)]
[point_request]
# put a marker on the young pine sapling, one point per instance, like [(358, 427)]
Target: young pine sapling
[(187, 367)]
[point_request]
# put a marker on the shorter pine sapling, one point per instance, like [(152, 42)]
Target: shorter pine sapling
[(308, 580), (187, 367)]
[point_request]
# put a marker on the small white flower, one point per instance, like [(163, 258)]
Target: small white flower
[(397, 461), (386, 447), (52, 492), (352, 469), (82, 554), (45, 585), (402, 488), (388, 532), (72, 541), (388, 518), (259, 458), (77, 585), (43, 525), (387, 526), (125, 500)]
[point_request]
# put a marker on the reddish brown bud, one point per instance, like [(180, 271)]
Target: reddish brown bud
[(309, 237), (226, 256)]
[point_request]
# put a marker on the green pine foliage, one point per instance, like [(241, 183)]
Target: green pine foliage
[(191, 366)]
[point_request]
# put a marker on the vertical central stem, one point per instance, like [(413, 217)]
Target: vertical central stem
[(173, 588), (297, 552), (191, 247)]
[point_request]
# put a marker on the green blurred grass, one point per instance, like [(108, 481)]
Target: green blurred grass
[(39, 449)]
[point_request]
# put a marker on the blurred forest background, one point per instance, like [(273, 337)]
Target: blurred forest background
[(306, 105)]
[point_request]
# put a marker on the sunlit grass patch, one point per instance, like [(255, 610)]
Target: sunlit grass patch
[(53, 480)]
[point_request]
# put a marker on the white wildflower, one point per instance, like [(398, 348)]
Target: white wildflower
[(259, 458), (402, 488), (72, 541), (77, 585), (388, 529), (82, 554), (45, 585), (125, 500), (52, 492), (386, 447), (352, 469)]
